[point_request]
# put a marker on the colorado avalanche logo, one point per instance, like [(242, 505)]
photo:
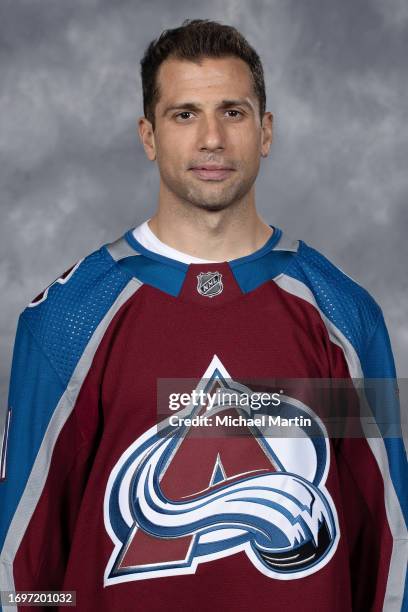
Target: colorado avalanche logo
[(170, 506)]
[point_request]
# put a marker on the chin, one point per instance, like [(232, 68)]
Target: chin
[(212, 206), (213, 202)]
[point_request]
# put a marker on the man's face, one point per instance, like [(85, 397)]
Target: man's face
[(208, 136)]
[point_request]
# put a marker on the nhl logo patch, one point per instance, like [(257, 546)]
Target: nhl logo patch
[(209, 284)]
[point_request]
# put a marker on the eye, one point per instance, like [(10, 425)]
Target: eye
[(233, 110), (180, 115)]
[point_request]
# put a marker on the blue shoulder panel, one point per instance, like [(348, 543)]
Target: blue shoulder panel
[(64, 322), (348, 305), (35, 390), (51, 336), (358, 316)]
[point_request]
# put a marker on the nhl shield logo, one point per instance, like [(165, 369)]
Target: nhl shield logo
[(209, 284)]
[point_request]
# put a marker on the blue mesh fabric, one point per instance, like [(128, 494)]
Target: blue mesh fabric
[(345, 303), (64, 322)]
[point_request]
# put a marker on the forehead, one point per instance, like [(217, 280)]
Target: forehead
[(226, 76)]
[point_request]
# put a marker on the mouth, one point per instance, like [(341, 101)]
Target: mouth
[(212, 173)]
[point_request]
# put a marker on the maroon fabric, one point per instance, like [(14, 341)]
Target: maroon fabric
[(265, 333)]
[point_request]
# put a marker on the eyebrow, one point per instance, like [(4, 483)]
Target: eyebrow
[(194, 106)]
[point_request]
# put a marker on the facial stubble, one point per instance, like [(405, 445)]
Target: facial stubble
[(209, 195)]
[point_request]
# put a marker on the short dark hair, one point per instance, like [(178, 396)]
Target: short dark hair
[(193, 40)]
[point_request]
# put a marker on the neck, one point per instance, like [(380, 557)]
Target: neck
[(221, 235)]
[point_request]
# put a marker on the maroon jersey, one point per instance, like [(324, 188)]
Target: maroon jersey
[(134, 509)]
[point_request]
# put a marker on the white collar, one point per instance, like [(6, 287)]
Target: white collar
[(144, 235)]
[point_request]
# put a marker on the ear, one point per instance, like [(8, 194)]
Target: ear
[(267, 132), (146, 135)]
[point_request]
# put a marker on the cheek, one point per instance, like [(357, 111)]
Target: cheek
[(250, 153), (246, 144), (174, 150), (168, 156)]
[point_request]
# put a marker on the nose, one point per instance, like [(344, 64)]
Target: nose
[(211, 135)]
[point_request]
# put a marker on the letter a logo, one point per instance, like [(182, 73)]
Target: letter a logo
[(172, 502)]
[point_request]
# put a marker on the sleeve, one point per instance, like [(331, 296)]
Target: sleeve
[(373, 475), (42, 475)]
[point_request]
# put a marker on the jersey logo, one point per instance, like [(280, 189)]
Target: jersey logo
[(209, 284), (172, 503), (64, 278)]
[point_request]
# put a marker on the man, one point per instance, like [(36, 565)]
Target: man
[(132, 510)]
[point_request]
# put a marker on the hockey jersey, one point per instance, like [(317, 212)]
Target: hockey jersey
[(99, 496)]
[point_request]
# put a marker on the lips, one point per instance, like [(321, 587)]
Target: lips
[(212, 173)]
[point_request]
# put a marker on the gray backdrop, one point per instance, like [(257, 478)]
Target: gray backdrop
[(74, 175)]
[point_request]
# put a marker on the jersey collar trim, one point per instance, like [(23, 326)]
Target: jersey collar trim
[(169, 275), (139, 248), (278, 241)]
